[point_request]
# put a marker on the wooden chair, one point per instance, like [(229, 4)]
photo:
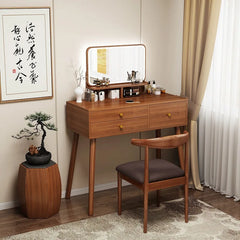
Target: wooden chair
[(150, 175)]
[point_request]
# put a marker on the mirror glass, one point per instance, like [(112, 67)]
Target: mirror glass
[(116, 64)]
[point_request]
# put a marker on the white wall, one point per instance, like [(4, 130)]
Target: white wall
[(76, 26), (162, 28), (12, 115)]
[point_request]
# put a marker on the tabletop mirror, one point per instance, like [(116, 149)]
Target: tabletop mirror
[(112, 66)]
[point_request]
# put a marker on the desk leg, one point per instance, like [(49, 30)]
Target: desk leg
[(72, 165), (158, 151), (92, 155)]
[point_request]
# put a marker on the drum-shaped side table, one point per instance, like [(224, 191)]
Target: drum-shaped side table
[(39, 189)]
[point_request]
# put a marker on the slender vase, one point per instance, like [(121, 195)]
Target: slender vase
[(78, 92)]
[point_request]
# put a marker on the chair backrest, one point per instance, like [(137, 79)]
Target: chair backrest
[(167, 142)]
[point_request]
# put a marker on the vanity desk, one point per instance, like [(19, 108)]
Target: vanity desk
[(116, 117)]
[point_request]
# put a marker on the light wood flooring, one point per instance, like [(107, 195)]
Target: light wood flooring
[(13, 222)]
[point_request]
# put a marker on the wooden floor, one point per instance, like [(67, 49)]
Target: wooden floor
[(13, 222)]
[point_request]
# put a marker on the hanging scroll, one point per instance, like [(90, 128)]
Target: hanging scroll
[(25, 54)]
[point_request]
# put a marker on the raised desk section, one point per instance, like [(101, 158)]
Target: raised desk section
[(116, 117)]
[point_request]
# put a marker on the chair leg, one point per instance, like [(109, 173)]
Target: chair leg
[(186, 203), (158, 197), (145, 211), (119, 194)]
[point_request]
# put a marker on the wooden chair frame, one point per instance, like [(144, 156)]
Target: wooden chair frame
[(168, 142)]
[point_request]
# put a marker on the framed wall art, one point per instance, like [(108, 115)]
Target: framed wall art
[(25, 54)]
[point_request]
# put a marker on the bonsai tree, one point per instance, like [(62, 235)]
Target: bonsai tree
[(38, 123)]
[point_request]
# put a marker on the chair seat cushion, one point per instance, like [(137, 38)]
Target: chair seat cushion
[(159, 169)]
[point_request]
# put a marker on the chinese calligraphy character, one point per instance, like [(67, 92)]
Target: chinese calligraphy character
[(31, 53), (16, 30), (30, 27), (19, 65), (20, 77), (18, 50), (33, 77)]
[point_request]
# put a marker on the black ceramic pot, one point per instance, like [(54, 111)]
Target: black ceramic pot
[(38, 159)]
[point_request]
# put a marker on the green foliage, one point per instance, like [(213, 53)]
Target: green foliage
[(38, 123), (38, 116)]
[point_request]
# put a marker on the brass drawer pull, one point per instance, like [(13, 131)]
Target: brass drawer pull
[(121, 114), (169, 115), (121, 127)]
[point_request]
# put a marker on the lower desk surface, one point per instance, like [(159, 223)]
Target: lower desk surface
[(116, 117)]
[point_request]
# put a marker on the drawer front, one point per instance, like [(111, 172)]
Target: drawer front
[(166, 115), (118, 114), (118, 127)]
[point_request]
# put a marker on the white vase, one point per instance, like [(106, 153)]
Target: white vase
[(78, 92)]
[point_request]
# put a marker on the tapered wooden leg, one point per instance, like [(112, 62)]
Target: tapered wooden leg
[(119, 194), (145, 211), (186, 203), (72, 165), (158, 197), (92, 155), (158, 151)]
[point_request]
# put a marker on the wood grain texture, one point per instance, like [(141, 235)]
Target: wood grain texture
[(180, 150), (72, 165), (142, 100), (77, 119), (158, 151), (118, 114), (119, 127), (40, 191), (119, 194), (13, 222), (116, 117), (167, 142), (164, 115), (91, 119), (92, 156)]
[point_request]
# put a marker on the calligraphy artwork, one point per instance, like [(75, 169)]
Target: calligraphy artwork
[(25, 59)]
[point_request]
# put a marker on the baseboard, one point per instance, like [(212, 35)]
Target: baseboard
[(7, 205), (97, 188), (74, 192)]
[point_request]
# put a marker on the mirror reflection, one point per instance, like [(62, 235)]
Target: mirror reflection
[(115, 64)]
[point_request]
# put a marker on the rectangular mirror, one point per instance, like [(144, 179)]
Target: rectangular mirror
[(115, 64)]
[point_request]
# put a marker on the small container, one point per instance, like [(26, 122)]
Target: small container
[(153, 86), (87, 95), (163, 90), (157, 91), (113, 94), (149, 88), (101, 96)]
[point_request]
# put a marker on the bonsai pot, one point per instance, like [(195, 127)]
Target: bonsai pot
[(38, 159)]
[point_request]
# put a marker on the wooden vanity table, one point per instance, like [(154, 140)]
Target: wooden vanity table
[(116, 117)]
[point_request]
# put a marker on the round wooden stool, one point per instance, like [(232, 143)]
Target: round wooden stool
[(39, 189)]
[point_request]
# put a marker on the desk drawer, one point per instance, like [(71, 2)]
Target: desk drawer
[(166, 115), (118, 114), (111, 128)]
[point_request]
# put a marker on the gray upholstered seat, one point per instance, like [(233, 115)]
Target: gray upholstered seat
[(159, 169)]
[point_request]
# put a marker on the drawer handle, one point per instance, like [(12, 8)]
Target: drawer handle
[(121, 114), (169, 115), (121, 127)]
